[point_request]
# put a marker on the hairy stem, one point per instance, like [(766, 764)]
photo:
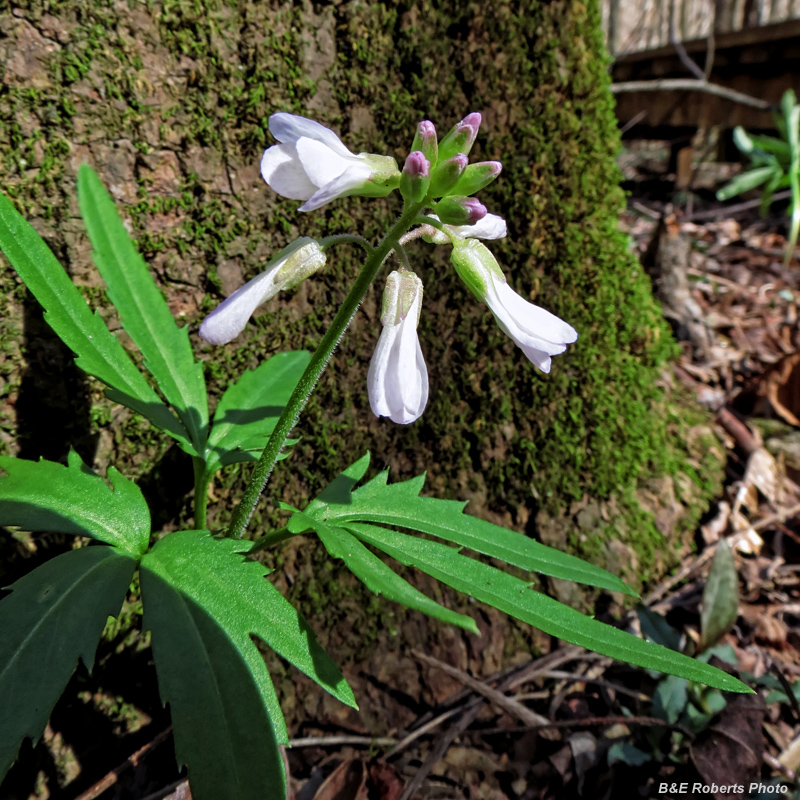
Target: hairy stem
[(315, 368)]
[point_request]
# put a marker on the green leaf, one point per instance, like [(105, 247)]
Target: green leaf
[(98, 351), (142, 309), (44, 496), (627, 754), (670, 698), (249, 409), (750, 142), (656, 628), (214, 574), (515, 597), (223, 732), (53, 616), (720, 597), (399, 504), (381, 579), (746, 181)]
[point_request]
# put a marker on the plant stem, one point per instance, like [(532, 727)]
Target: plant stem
[(201, 479), (343, 238), (315, 368)]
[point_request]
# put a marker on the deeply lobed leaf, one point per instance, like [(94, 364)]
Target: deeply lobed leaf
[(214, 574), (515, 597), (222, 729), (142, 309), (380, 578), (45, 496), (97, 351), (53, 616), (399, 504)]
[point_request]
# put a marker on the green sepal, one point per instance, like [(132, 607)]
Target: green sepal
[(476, 177)]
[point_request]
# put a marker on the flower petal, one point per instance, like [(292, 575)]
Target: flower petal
[(492, 226), (537, 358), (291, 127), (228, 319), (378, 368), (533, 320), (321, 164), (352, 178), (282, 170)]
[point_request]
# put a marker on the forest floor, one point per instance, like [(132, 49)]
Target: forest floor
[(567, 723)]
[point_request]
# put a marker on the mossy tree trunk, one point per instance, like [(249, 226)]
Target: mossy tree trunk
[(170, 103)]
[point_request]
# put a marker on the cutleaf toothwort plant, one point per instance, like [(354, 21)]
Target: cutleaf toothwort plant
[(203, 593)]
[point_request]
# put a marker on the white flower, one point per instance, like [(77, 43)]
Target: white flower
[(291, 265), (538, 333), (312, 164), (491, 226), (397, 380)]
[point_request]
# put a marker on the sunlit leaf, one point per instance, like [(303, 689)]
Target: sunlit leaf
[(516, 598), (381, 579), (142, 309), (44, 496), (222, 728), (214, 574), (248, 411), (746, 181), (97, 351), (400, 504)]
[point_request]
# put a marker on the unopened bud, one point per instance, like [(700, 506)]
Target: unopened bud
[(446, 175), (476, 176), (461, 138), (425, 141), (460, 210), (416, 177)]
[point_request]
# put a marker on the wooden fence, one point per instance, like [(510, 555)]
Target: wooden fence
[(633, 26)]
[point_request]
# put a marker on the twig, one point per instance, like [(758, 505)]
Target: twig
[(678, 45), (163, 792), (772, 519), (513, 707), (635, 120), (574, 678), (690, 85), (421, 731), (589, 721), (335, 741), (727, 211), (113, 776), (472, 709)]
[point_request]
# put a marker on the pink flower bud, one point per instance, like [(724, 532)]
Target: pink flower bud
[(425, 141), (416, 177), (461, 138), (460, 210)]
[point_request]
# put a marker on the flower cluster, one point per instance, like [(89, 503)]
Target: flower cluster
[(310, 163)]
